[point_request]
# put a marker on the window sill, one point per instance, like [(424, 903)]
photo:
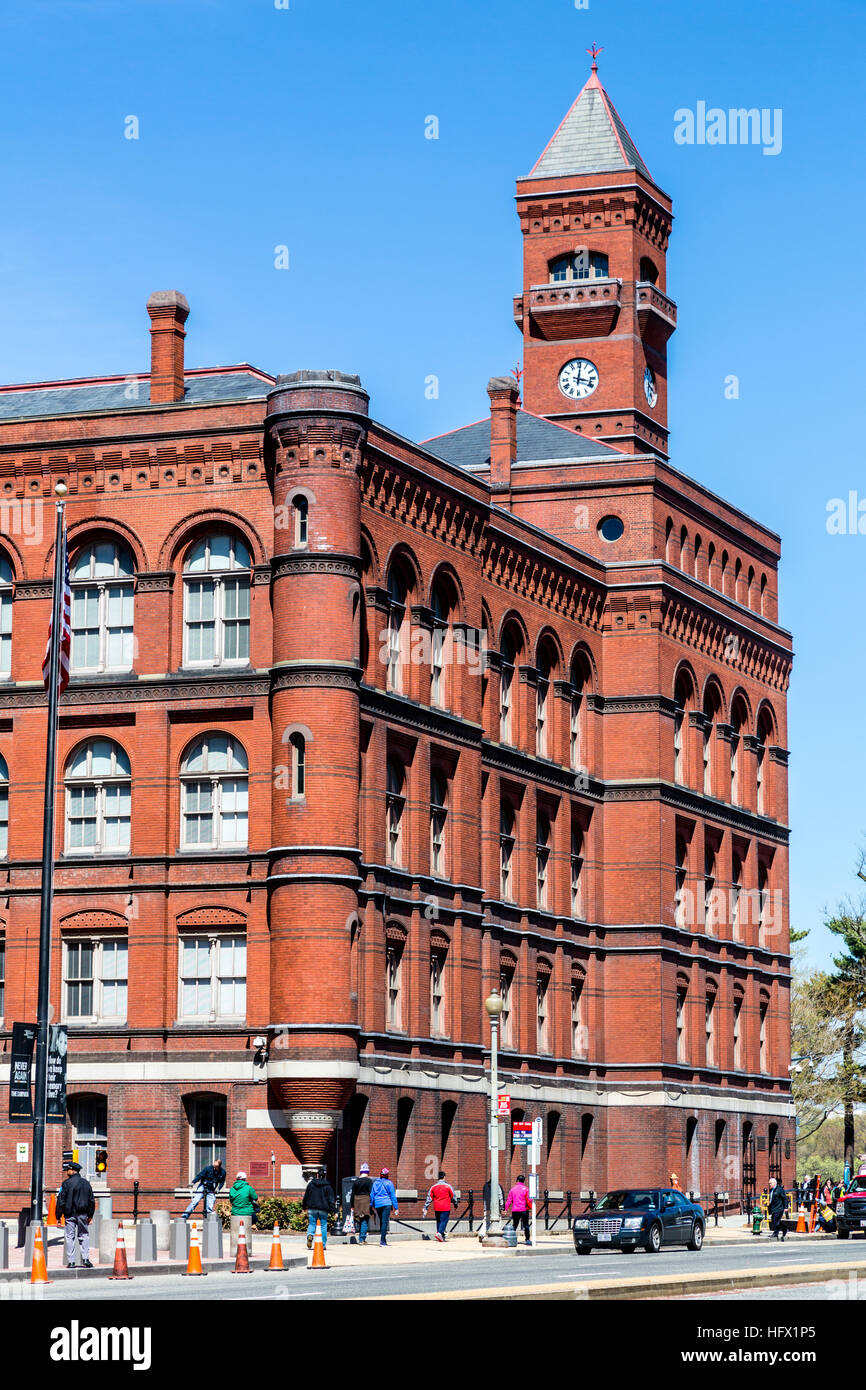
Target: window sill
[(212, 852)]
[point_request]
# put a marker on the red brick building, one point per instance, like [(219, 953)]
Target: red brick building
[(359, 729)]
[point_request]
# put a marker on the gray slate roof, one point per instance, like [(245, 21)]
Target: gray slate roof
[(586, 141), (120, 395), (537, 440)]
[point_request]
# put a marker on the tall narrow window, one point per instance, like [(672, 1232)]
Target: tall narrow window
[(764, 1052), (443, 604), (216, 585), (95, 980), (576, 870), (2, 976), (438, 822), (4, 809), (396, 805), (711, 1027), (102, 580), (546, 662), (578, 1029), (398, 633), (506, 690), (736, 895), (765, 734), (738, 724), (394, 979), (438, 956), (213, 977), (683, 703), (682, 995), (763, 899), (581, 684), (542, 1017), (709, 888), (301, 509), (506, 989), (89, 1116), (542, 858), (214, 794), (7, 579), (712, 712), (680, 874), (98, 799), (208, 1132), (506, 850), (297, 743), (738, 1040)]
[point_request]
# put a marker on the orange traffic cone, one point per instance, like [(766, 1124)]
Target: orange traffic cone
[(193, 1264), (318, 1247), (121, 1268), (38, 1272), (276, 1249), (813, 1220), (242, 1259), (51, 1218), (801, 1221)]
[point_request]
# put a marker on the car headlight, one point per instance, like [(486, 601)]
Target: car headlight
[(581, 1225), (633, 1223)]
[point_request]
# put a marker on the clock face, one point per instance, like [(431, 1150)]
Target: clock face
[(578, 378), (649, 387)]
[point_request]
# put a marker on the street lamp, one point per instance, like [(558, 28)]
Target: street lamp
[(493, 1005)]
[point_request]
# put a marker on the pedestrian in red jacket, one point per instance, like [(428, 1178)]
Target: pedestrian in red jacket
[(518, 1203), (443, 1197)]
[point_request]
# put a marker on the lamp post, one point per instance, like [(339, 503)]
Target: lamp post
[(493, 1005)]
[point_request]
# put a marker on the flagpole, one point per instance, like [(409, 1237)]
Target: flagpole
[(37, 1174)]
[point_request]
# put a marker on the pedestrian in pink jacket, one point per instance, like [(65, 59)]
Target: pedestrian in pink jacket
[(518, 1203)]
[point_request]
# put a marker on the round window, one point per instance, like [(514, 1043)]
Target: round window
[(610, 528)]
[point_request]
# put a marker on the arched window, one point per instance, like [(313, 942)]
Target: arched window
[(581, 686), (684, 541), (398, 627), (736, 895), (750, 587), (443, 604), (763, 1034), (738, 581), (509, 651), (7, 579), (4, 813), (725, 573), (301, 510), (438, 823), (699, 558), (578, 1027), (438, 959), (712, 714), (680, 875), (543, 704), (542, 858), (395, 945), (765, 734), (208, 1132), (98, 799), (739, 719), (763, 900), (298, 745), (506, 850), (684, 698), (395, 806), (711, 561), (102, 580), (682, 1031), (89, 1117), (669, 541), (580, 265), (648, 272), (709, 886), (764, 597), (214, 794), (710, 1027), (216, 585), (737, 1029)]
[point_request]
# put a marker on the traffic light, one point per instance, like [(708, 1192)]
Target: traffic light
[(101, 1160)]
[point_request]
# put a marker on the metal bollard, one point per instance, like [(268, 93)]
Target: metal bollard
[(4, 1245), (212, 1239), (178, 1240)]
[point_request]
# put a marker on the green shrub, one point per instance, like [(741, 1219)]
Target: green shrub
[(289, 1215)]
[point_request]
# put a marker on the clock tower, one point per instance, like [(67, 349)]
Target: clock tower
[(594, 312)]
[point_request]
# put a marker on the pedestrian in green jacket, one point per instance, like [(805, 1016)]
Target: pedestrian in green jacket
[(243, 1198)]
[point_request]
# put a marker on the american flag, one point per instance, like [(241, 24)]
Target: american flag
[(65, 624)]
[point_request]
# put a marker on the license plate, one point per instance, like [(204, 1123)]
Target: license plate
[(863, 1223), (607, 1237)]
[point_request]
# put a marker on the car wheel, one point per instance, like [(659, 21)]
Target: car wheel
[(654, 1239), (842, 1235), (697, 1240), (584, 1250)]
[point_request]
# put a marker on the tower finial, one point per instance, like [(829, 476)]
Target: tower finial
[(594, 52)]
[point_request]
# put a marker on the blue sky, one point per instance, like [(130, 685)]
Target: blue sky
[(304, 127)]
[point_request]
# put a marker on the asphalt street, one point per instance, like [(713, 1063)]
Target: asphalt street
[(443, 1275)]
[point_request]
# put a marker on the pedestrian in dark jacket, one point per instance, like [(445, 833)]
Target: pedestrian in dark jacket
[(77, 1204), (360, 1202), (319, 1203), (485, 1198), (778, 1205), (209, 1182)]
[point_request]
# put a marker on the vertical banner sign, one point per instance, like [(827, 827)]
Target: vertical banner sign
[(20, 1095), (55, 1109)]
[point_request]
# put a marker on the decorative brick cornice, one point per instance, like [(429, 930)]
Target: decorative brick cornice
[(261, 574), (528, 675), (382, 704), (635, 704), (305, 562), (157, 582), (779, 755), (315, 673), (33, 588), (515, 763), (134, 690), (684, 799)]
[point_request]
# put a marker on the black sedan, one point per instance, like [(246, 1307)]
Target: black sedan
[(645, 1217)]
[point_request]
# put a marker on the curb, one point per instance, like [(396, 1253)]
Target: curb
[(625, 1289), (72, 1276)]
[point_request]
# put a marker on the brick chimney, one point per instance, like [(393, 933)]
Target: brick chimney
[(168, 313), (504, 400)]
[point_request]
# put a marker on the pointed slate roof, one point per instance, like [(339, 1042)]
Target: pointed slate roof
[(591, 140), (537, 440)]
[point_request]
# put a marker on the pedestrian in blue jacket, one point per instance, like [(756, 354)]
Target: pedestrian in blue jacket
[(383, 1198)]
